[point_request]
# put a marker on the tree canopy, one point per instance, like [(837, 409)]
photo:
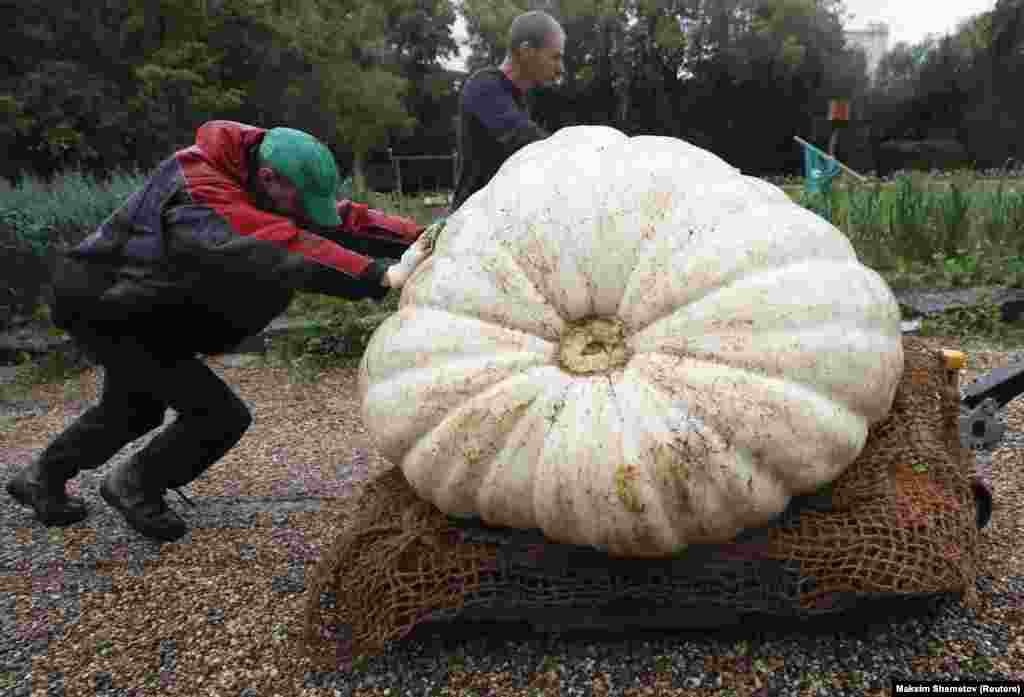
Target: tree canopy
[(125, 82)]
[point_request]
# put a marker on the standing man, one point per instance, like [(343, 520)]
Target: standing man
[(205, 254), (493, 117)]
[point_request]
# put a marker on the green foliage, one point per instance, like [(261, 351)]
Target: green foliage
[(488, 22), (54, 367), (14, 120), (338, 333), (875, 217), (135, 79), (367, 107), (974, 322), (954, 228), (1001, 218), (825, 204), (99, 85), (866, 228), (908, 217), (980, 664), (183, 77), (64, 210), (36, 216), (58, 366), (919, 231)]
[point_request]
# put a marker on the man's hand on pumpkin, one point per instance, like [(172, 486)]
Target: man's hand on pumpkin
[(432, 231), (398, 274)]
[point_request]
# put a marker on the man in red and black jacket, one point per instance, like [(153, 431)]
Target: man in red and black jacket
[(206, 253)]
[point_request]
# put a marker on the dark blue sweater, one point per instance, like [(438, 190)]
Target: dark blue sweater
[(494, 122)]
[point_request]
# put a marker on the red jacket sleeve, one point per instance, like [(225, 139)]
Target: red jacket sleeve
[(359, 220), (210, 187)]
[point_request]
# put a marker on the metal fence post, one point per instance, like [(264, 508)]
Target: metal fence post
[(398, 171)]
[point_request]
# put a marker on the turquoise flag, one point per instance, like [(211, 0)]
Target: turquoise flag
[(819, 170)]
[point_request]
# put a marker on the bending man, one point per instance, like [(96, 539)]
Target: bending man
[(205, 254)]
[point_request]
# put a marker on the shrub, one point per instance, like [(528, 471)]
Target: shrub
[(38, 217)]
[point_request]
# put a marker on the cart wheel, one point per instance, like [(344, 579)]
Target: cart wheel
[(983, 502)]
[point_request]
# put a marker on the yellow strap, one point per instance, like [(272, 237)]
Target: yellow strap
[(955, 360)]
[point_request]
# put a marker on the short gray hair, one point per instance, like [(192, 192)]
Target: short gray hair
[(533, 30)]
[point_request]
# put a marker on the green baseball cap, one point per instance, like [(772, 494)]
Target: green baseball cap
[(309, 165)]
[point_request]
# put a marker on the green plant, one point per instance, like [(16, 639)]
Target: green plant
[(36, 217), (337, 336), (7, 679), (279, 632), (457, 661), (954, 224), (909, 218), (1001, 220), (72, 390), (865, 229), (983, 319), (1014, 272), (21, 386), (825, 204), (812, 681), (548, 664), (17, 390), (858, 679), (958, 270), (360, 663), (54, 366), (663, 663), (289, 352), (980, 664)]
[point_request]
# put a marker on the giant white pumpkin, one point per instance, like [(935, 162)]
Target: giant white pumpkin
[(626, 343)]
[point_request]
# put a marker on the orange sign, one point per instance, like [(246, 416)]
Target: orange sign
[(839, 110)]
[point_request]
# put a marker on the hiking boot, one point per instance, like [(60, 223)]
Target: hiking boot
[(144, 510), (47, 496)]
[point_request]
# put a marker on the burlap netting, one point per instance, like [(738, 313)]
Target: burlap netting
[(899, 521)]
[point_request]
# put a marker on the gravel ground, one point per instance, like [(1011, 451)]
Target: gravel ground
[(94, 609)]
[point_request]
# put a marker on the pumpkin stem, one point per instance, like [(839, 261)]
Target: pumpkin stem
[(593, 345)]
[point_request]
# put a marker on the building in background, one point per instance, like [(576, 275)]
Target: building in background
[(873, 40)]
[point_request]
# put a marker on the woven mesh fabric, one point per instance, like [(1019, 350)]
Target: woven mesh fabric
[(899, 521)]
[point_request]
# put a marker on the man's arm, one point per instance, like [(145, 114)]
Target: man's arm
[(372, 232), (241, 240)]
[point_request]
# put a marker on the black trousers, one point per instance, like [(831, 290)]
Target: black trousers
[(139, 383)]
